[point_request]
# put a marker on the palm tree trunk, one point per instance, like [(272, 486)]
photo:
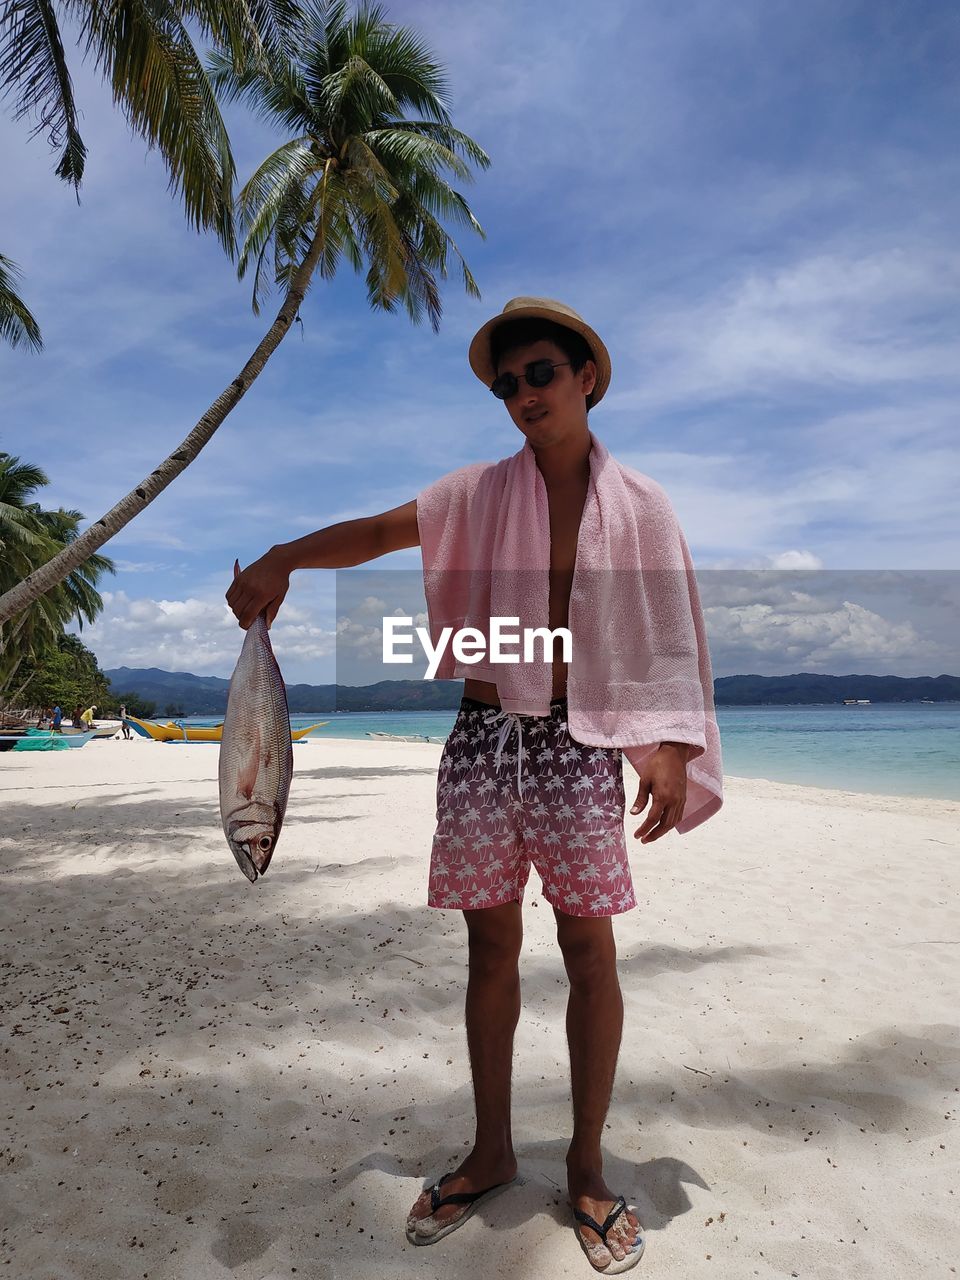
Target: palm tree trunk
[(120, 515), (8, 681), (8, 640), (13, 699)]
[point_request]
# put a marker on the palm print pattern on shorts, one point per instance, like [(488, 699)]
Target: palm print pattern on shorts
[(565, 816)]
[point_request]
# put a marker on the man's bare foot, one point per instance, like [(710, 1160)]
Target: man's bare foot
[(474, 1174), (590, 1194)]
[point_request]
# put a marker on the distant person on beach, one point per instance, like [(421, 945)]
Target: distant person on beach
[(75, 718), (86, 718), (123, 723), (555, 802), (57, 720)]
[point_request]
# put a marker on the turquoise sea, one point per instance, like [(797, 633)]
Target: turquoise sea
[(906, 749)]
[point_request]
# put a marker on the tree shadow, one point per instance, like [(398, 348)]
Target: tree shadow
[(650, 961), (215, 1035), (328, 773)]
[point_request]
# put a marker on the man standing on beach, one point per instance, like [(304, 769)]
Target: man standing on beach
[(564, 811)]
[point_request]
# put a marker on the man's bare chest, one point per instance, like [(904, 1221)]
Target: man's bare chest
[(566, 510)]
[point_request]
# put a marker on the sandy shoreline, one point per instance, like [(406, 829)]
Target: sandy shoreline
[(203, 1078)]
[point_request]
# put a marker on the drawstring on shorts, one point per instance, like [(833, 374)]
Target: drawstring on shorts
[(511, 720)]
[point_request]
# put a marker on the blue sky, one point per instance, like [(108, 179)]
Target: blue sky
[(757, 204)]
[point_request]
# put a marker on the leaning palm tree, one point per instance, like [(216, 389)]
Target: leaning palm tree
[(359, 179), (17, 325)]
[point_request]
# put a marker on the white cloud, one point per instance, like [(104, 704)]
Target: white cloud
[(768, 619), (783, 621), (792, 559), (138, 566), (831, 319), (775, 275), (811, 636), (201, 636)]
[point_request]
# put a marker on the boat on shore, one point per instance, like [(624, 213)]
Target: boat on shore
[(108, 730), (46, 740), (174, 731), (10, 735), (403, 737)]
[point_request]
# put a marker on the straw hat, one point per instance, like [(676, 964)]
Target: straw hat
[(481, 361)]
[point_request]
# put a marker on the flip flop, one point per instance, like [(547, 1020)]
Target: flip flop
[(613, 1268), (472, 1199)]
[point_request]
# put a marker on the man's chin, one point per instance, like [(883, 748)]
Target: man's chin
[(547, 431)]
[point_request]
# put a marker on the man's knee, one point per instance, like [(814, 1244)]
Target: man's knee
[(589, 949), (495, 939)]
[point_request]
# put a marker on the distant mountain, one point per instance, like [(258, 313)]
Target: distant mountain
[(809, 688), (194, 695), (207, 695)]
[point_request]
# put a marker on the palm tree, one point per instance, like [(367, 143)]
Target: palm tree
[(360, 179), (357, 179), (17, 325), (30, 535)]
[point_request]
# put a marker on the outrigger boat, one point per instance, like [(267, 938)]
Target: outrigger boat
[(108, 730), (179, 732), (43, 740), (403, 737)]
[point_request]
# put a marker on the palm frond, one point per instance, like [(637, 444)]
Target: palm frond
[(261, 200), (434, 194), (363, 160), (29, 537), (414, 152), (33, 69), (277, 95), (454, 140), (356, 88), (362, 182), (161, 85), (413, 75), (265, 31), (17, 325), (19, 479)]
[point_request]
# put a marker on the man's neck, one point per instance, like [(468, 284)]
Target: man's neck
[(565, 462)]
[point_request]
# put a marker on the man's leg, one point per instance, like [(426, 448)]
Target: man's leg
[(594, 1028), (492, 1012)]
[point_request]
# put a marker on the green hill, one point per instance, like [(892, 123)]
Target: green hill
[(207, 695)]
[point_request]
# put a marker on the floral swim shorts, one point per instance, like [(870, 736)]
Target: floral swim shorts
[(547, 800)]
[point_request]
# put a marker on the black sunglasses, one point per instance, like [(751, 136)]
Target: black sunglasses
[(538, 373)]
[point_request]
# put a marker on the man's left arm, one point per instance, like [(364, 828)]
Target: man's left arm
[(663, 782)]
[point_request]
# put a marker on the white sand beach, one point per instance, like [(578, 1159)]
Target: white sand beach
[(204, 1078)]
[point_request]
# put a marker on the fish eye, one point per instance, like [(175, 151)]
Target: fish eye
[(264, 844)]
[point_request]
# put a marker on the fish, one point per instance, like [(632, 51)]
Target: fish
[(256, 753)]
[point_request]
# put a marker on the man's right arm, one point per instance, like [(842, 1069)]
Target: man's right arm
[(263, 584)]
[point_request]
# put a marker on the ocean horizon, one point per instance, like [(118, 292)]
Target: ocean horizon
[(907, 749)]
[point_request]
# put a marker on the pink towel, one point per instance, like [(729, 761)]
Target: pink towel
[(640, 668)]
